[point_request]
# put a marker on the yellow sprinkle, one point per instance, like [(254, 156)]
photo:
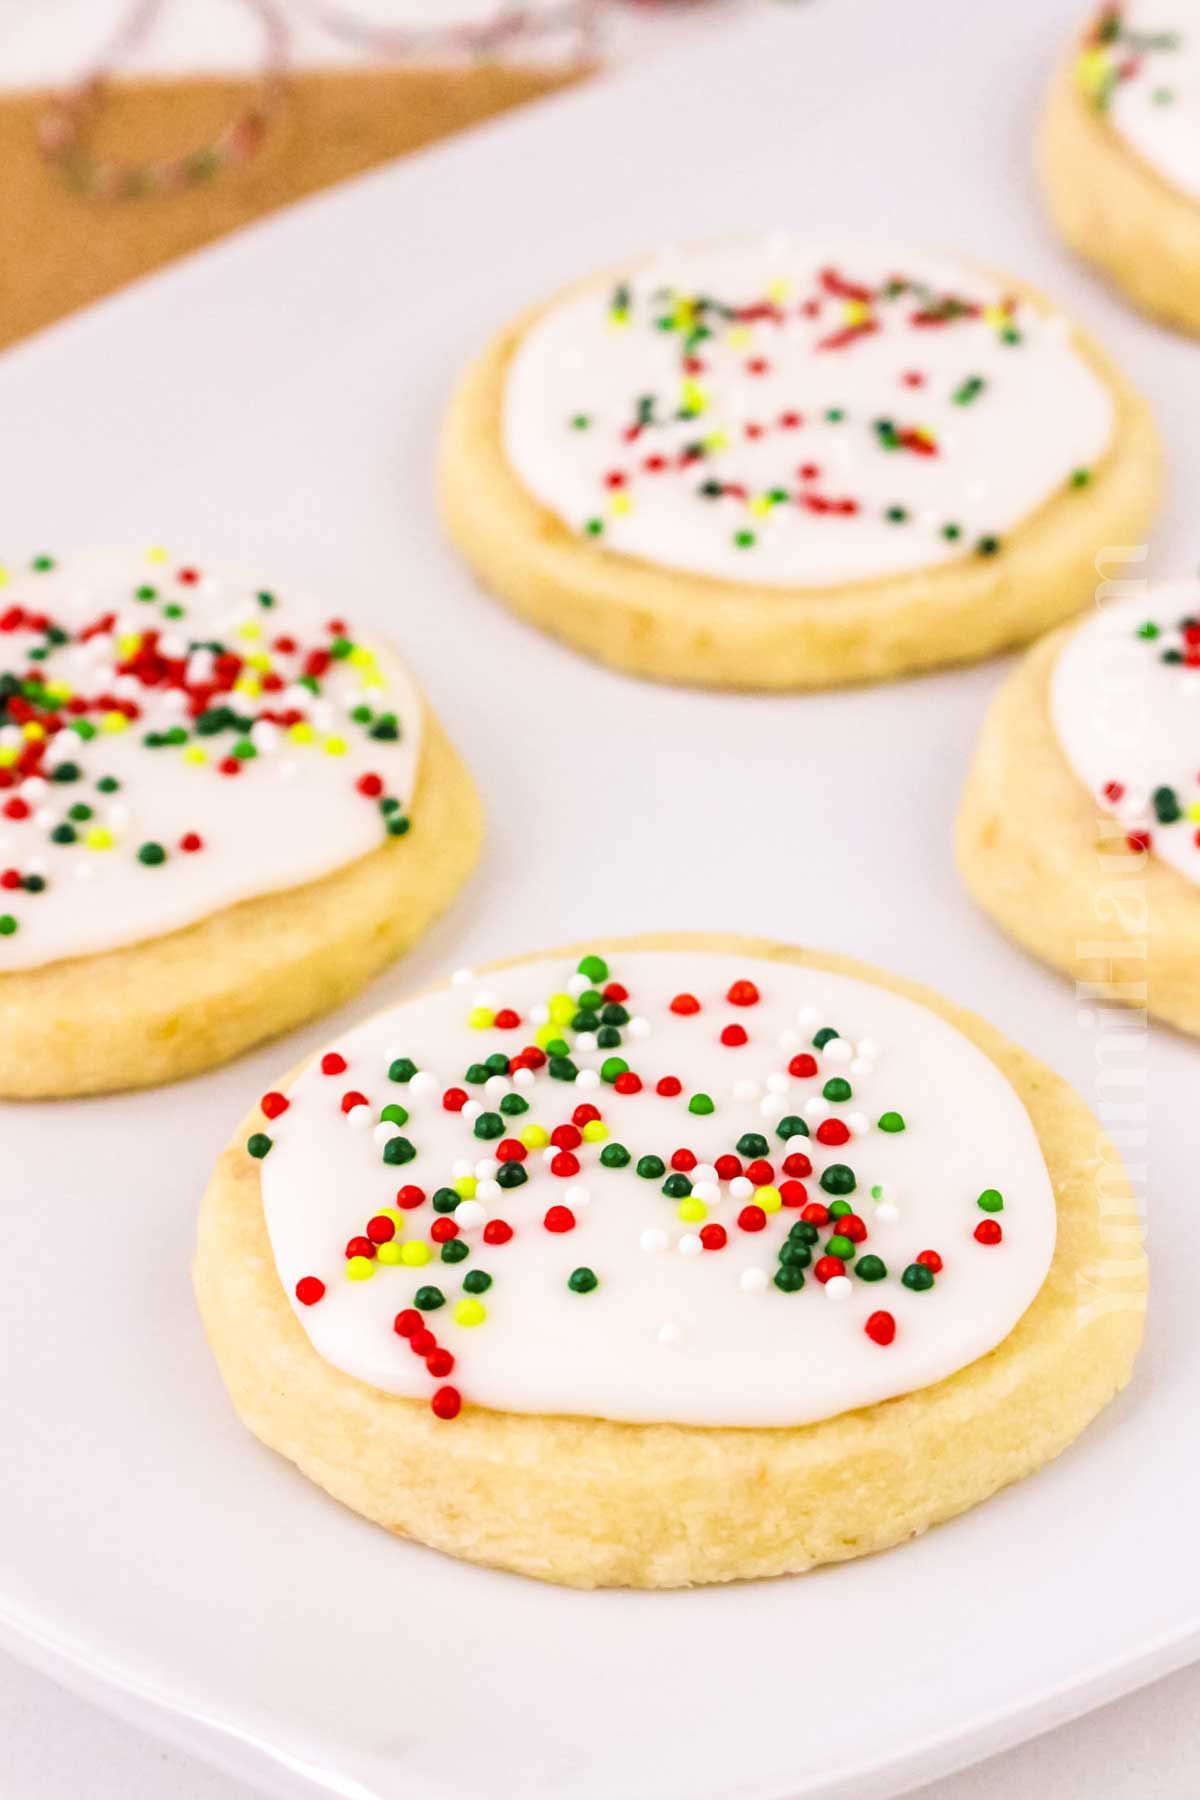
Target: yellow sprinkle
[(470, 1312), (334, 746), (546, 1034), (156, 554), (618, 316), (535, 1137), (695, 400), (390, 1253), (1091, 70), (716, 440), (739, 337), (415, 1254), (465, 1186), (128, 644), (34, 732), (856, 312), (760, 504), (619, 505), (99, 838), (249, 685), (394, 1214), (360, 1268), (481, 1018), (251, 629), (194, 754), (258, 659), (302, 732), (114, 722), (779, 289), (58, 690), (769, 1198), (1193, 811), (3, 577), (8, 757), (691, 1210), (595, 1131), (363, 657), (995, 315), (562, 1009)]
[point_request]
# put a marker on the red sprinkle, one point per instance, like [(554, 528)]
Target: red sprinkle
[(826, 1267), (446, 1403), (191, 841), (565, 1164), (332, 1063), (742, 993), (370, 785), (559, 1218), (713, 1237), (760, 1173), (802, 1066), (439, 1363), (988, 1231), (815, 1214), (683, 1161), (274, 1103), (832, 1131), (352, 1098), (408, 1197), (442, 1229), (507, 1019), (668, 1087), (511, 1150), (408, 1321), (733, 1035), (585, 1115), (793, 1193), (359, 1246), (685, 1004), (752, 1218), (628, 1083), (381, 1230), (497, 1231), (566, 1137), (728, 1168), (797, 1164), (310, 1289), (930, 1258), (454, 1099), (880, 1328)]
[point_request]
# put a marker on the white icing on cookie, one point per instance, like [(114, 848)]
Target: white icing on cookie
[(1125, 700), (830, 428), (107, 838), (675, 1329), (1144, 70)]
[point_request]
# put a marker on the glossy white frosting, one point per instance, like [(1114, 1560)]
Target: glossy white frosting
[(673, 1331), (988, 415), (292, 813), (1156, 107), (1129, 721)]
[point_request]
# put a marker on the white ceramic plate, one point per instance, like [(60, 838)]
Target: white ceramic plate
[(273, 403)]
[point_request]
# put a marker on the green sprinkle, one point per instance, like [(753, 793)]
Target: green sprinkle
[(429, 1298), (393, 1115), (258, 1143), (612, 1066), (594, 967), (839, 1246), (991, 1201), (445, 1199), (917, 1277), (7, 924), (582, 1281), (870, 1268), (651, 1168), (398, 1150), (489, 1125), (151, 854), (701, 1104), (837, 1088), (792, 1126), (823, 1037), (455, 1250), (614, 1156), (789, 1279), (510, 1175), (839, 1178), (891, 1121), (477, 1282), (403, 1069)]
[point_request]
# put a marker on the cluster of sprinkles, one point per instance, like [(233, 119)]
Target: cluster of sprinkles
[(1167, 807), (1113, 53), (677, 434), (537, 1149), (138, 670)]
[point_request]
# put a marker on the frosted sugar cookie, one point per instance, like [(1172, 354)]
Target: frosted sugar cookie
[(1120, 153), (1079, 829), (676, 1260), (769, 464), (206, 794)]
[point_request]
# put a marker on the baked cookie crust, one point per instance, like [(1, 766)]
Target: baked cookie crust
[(1057, 874), (1117, 212), (654, 621), (173, 1005), (590, 1503)]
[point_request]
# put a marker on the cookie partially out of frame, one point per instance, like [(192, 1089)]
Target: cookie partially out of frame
[(674, 1260), (1119, 154), (1079, 825), (775, 465), (222, 810)]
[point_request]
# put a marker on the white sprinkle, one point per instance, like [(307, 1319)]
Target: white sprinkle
[(838, 1287), (578, 984), (585, 1041), (33, 787), (462, 978), (487, 1000), (867, 1047), (862, 1065), (789, 1039), (778, 1083), (740, 1188), (768, 1106), (424, 1083), (669, 1333), (808, 1015), (468, 1214), (708, 1191), (704, 1172), (689, 1244), (549, 1154), (753, 1281), (857, 1124), (264, 736), (577, 1195), (486, 1167), (523, 1077), (745, 1089), (45, 817), (817, 1108), (460, 1168), (539, 1014), (359, 1116), (887, 1211), (470, 1112), (488, 1190), (588, 1079), (496, 1086), (638, 1027), (837, 1050), (384, 1132), (653, 1239)]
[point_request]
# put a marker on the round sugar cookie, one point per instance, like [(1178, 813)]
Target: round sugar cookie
[(1119, 153), (1079, 826), (221, 811), (776, 465), (672, 1260)]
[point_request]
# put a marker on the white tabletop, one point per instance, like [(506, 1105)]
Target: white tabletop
[(56, 1746)]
